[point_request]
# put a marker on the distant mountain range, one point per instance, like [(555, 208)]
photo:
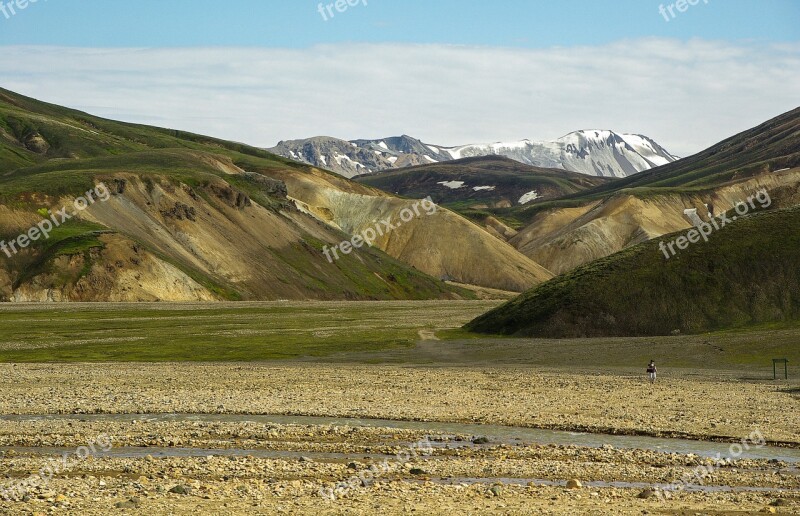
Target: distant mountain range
[(591, 152)]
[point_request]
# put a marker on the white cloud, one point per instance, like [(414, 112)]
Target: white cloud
[(686, 95)]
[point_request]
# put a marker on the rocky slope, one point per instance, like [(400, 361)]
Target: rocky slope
[(563, 238)]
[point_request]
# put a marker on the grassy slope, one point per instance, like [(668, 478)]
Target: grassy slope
[(747, 274)]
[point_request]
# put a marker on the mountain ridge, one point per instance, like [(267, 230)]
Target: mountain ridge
[(601, 153)]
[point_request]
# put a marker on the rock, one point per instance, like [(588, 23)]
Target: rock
[(60, 498), (126, 505), (480, 440), (647, 493), (181, 490), (780, 502), (118, 186), (574, 483), (234, 198), (271, 186), (180, 211), (36, 143), (769, 510), (496, 490), (352, 465), (417, 471), (306, 459)]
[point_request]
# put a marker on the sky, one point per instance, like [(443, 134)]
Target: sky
[(448, 72)]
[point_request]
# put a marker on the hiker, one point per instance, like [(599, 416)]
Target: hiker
[(651, 371)]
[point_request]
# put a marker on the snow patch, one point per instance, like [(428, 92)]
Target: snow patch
[(528, 197), (453, 185), (342, 157), (692, 215)]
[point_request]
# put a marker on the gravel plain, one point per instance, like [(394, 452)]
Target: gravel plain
[(282, 468)]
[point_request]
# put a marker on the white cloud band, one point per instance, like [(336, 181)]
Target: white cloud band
[(686, 95)]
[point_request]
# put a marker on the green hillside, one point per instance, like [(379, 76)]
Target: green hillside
[(747, 274)]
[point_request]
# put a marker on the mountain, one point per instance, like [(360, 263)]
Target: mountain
[(564, 233), (188, 217), (592, 152), (595, 153), (472, 185), (617, 274), (748, 273)]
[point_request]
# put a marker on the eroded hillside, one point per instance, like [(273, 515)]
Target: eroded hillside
[(195, 218)]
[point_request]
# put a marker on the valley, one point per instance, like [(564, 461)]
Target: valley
[(399, 258)]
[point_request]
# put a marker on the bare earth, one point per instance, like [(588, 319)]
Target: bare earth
[(699, 405)]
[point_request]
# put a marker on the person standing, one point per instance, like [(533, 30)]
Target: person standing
[(651, 371)]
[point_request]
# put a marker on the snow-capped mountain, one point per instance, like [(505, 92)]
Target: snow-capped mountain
[(596, 153), (591, 152)]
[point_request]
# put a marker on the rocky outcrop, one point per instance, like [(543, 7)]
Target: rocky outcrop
[(230, 196), (35, 142), (180, 211), (271, 187)]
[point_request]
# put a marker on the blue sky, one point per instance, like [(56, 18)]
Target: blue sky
[(296, 23), (449, 72)]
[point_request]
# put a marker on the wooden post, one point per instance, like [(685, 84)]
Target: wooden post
[(775, 362)]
